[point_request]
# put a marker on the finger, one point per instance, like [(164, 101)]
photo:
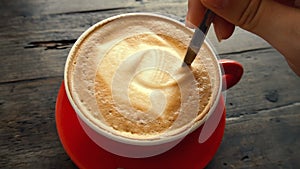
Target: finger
[(263, 17), (223, 28), (276, 23), (195, 13), (242, 13)]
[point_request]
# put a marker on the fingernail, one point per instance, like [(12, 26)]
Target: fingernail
[(219, 38), (187, 20), (189, 24)]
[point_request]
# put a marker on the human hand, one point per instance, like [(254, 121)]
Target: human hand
[(276, 21)]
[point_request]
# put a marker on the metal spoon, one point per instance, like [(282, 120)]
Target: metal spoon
[(198, 38)]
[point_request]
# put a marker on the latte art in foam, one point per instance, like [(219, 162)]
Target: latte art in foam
[(127, 79)]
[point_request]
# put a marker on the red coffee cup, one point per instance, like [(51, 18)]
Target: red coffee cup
[(224, 74)]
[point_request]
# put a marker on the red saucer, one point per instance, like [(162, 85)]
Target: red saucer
[(189, 153)]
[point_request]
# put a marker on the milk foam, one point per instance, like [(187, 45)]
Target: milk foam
[(126, 78)]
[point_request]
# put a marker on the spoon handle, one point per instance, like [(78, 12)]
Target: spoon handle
[(198, 37)]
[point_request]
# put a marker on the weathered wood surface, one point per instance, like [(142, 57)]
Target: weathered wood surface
[(263, 110)]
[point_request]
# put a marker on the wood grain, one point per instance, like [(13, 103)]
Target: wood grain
[(268, 139)]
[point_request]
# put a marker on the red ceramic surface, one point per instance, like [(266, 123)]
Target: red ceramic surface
[(233, 72), (189, 153)]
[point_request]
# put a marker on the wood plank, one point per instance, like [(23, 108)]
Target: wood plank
[(266, 140), (28, 137), (267, 83), (44, 7)]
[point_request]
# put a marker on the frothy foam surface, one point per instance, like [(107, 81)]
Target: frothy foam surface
[(126, 77)]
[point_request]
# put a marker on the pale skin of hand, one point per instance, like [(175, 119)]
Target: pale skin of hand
[(276, 21)]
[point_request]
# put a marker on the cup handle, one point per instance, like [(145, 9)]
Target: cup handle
[(233, 72)]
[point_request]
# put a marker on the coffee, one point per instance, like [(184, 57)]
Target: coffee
[(125, 76)]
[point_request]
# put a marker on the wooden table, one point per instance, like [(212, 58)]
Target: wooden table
[(263, 110)]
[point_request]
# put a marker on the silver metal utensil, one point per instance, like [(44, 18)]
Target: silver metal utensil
[(198, 38)]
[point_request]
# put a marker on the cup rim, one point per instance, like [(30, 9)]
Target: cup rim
[(120, 138)]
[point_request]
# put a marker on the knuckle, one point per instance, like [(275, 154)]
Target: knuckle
[(250, 16)]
